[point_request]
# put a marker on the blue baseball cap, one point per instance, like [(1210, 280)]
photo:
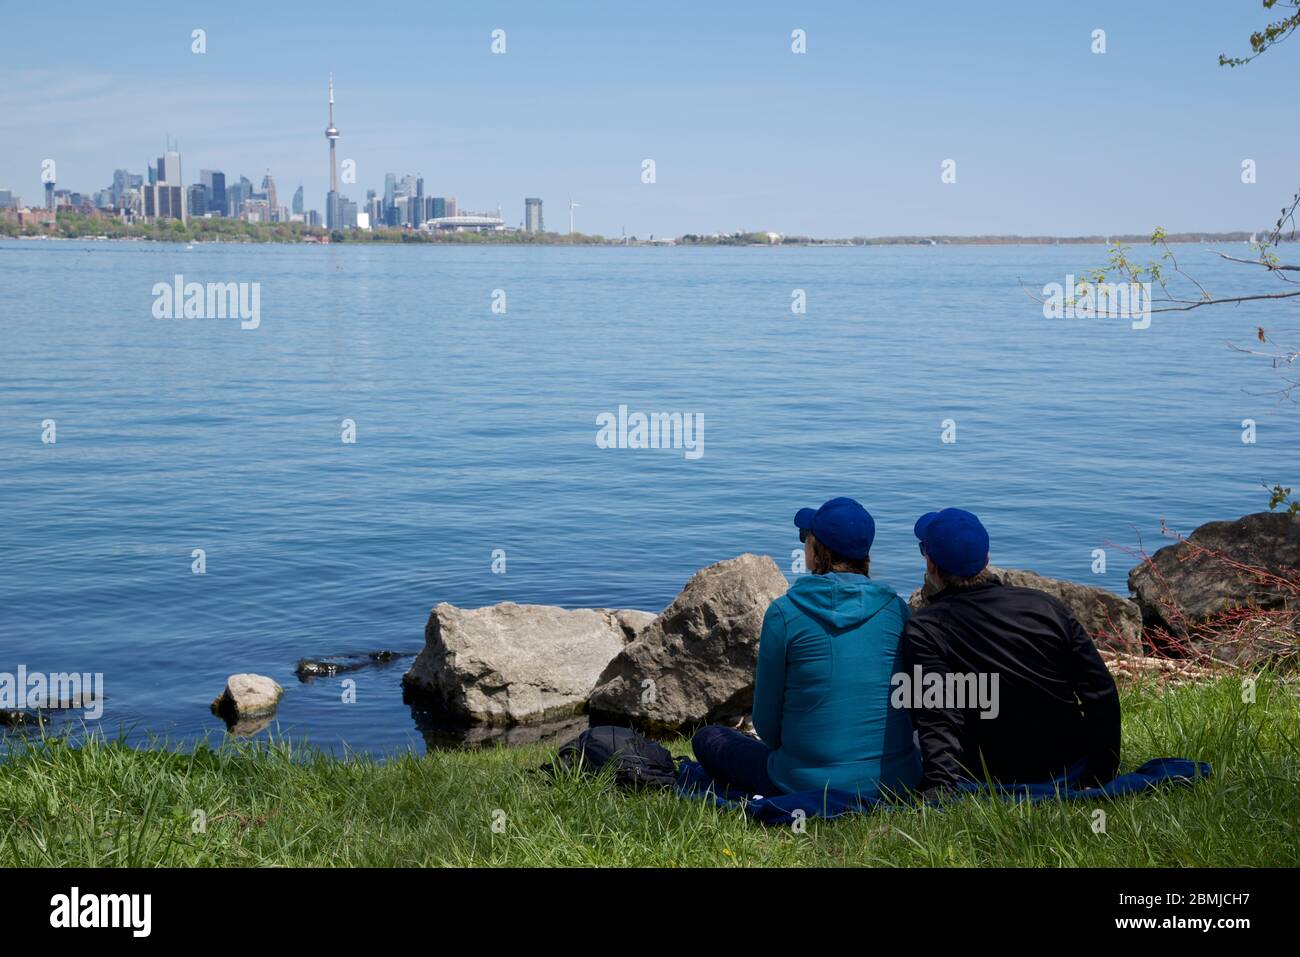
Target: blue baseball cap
[(954, 540), (842, 525)]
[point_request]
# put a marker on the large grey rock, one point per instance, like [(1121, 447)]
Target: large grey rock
[(247, 697), (695, 662), (1115, 623), (1185, 589), (513, 664), (1202, 576)]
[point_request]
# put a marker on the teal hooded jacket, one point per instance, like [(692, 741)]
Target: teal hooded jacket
[(828, 651)]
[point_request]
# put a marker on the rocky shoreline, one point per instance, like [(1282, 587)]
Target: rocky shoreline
[(1225, 597)]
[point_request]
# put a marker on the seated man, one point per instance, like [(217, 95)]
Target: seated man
[(1056, 709), (827, 651)]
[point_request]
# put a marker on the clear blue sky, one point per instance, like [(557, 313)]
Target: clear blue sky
[(844, 140)]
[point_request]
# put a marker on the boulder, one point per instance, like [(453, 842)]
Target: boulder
[(1115, 623), (695, 662), (1212, 572), (247, 697), (511, 664)]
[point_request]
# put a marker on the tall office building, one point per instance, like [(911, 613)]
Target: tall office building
[(165, 198), (297, 201), (347, 213), (215, 181), (49, 194), (533, 216), (390, 191), (197, 196), (163, 201), (332, 134), (268, 189), (169, 169), (235, 197), (121, 181)]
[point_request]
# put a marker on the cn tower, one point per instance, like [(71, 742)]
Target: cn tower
[(332, 134)]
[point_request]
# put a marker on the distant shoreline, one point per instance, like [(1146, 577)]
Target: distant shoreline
[(90, 226), (363, 239)]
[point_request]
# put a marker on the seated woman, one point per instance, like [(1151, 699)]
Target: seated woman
[(827, 654)]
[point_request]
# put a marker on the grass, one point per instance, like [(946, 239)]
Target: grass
[(102, 803)]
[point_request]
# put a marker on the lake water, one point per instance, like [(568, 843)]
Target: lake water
[(476, 431)]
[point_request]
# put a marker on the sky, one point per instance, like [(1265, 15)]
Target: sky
[(847, 139)]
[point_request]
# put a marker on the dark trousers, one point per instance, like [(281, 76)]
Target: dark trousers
[(734, 760)]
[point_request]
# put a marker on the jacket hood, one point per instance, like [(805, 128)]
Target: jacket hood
[(839, 600)]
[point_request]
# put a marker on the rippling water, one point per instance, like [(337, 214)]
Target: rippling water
[(476, 431)]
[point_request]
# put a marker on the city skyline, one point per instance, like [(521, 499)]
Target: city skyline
[(161, 193), (846, 139)]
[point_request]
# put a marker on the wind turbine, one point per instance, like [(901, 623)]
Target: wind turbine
[(572, 207)]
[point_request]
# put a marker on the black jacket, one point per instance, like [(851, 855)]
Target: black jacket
[(1056, 701)]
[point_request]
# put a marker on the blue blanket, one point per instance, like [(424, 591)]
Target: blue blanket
[(694, 782)]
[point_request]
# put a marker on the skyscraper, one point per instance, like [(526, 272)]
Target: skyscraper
[(347, 212), (215, 181), (268, 187), (297, 202), (332, 134), (533, 216), (121, 179), (235, 197), (390, 191), (169, 169), (165, 199), (198, 200)]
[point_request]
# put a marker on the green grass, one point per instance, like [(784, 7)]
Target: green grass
[(103, 804)]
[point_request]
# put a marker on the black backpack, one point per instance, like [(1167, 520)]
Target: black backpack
[(638, 762)]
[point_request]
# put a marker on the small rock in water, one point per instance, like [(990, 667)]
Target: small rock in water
[(247, 696), (331, 665), (19, 719)]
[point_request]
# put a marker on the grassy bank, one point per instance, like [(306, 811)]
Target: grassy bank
[(105, 804)]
